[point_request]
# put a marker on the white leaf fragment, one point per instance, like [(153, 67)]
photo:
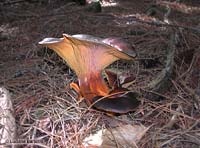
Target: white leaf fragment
[(121, 136), (7, 121)]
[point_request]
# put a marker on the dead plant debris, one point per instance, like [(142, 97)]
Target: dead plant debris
[(46, 111)]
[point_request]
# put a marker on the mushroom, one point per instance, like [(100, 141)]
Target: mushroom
[(88, 56)]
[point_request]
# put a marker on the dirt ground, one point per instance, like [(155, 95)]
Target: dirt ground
[(45, 109)]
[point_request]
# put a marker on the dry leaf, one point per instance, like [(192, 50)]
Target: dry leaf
[(94, 140), (122, 136)]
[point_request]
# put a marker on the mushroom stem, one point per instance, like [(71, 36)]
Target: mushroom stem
[(92, 85)]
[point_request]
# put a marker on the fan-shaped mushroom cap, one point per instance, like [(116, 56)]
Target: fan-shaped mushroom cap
[(85, 52), (88, 56)]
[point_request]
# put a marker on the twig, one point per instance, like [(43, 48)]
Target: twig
[(13, 2), (161, 83), (19, 144), (173, 118), (159, 24)]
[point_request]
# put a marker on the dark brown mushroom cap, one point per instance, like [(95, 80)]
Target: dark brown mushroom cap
[(118, 43), (112, 79), (117, 104), (88, 38), (121, 45)]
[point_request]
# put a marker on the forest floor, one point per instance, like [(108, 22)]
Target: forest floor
[(45, 109)]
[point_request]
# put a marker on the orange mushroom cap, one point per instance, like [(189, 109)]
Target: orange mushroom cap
[(90, 52), (88, 56)]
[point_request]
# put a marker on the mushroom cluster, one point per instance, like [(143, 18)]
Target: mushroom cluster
[(88, 56)]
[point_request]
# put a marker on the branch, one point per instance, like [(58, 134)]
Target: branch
[(162, 82)]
